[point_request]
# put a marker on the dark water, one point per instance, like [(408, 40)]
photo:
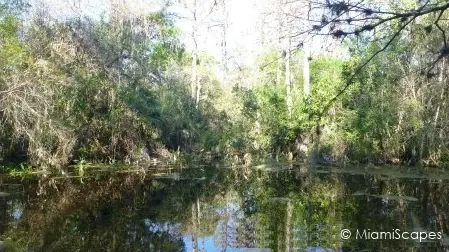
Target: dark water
[(213, 208)]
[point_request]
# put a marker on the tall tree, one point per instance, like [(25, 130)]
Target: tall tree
[(200, 13)]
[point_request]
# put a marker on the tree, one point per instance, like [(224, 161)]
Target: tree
[(345, 18), (200, 12)]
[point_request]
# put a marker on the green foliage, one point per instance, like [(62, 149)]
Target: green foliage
[(101, 91), (120, 90), (264, 105), (22, 169)]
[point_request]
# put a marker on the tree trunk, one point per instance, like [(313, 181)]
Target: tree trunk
[(306, 73), (288, 226), (194, 81), (279, 70), (288, 85), (194, 77), (194, 228), (198, 93), (224, 41), (225, 53), (279, 44), (306, 66)]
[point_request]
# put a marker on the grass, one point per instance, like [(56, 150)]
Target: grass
[(22, 169)]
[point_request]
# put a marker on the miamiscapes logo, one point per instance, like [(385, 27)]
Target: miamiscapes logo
[(394, 234)]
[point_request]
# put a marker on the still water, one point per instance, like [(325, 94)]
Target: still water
[(214, 208)]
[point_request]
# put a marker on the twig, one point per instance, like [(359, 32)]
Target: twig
[(358, 70)]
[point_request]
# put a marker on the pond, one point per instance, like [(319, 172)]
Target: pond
[(277, 207)]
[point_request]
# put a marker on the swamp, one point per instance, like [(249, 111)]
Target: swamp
[(224, 125)]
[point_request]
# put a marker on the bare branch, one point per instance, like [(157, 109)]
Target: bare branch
[(349, 82)]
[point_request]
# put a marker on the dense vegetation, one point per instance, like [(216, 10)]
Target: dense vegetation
[(94, 90), (119, 90)]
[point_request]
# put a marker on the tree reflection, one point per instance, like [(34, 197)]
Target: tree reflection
[(281, 209)]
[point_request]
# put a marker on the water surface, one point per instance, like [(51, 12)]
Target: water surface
[(216, 208)]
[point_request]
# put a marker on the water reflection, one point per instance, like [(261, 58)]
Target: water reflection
[(218, 209)]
